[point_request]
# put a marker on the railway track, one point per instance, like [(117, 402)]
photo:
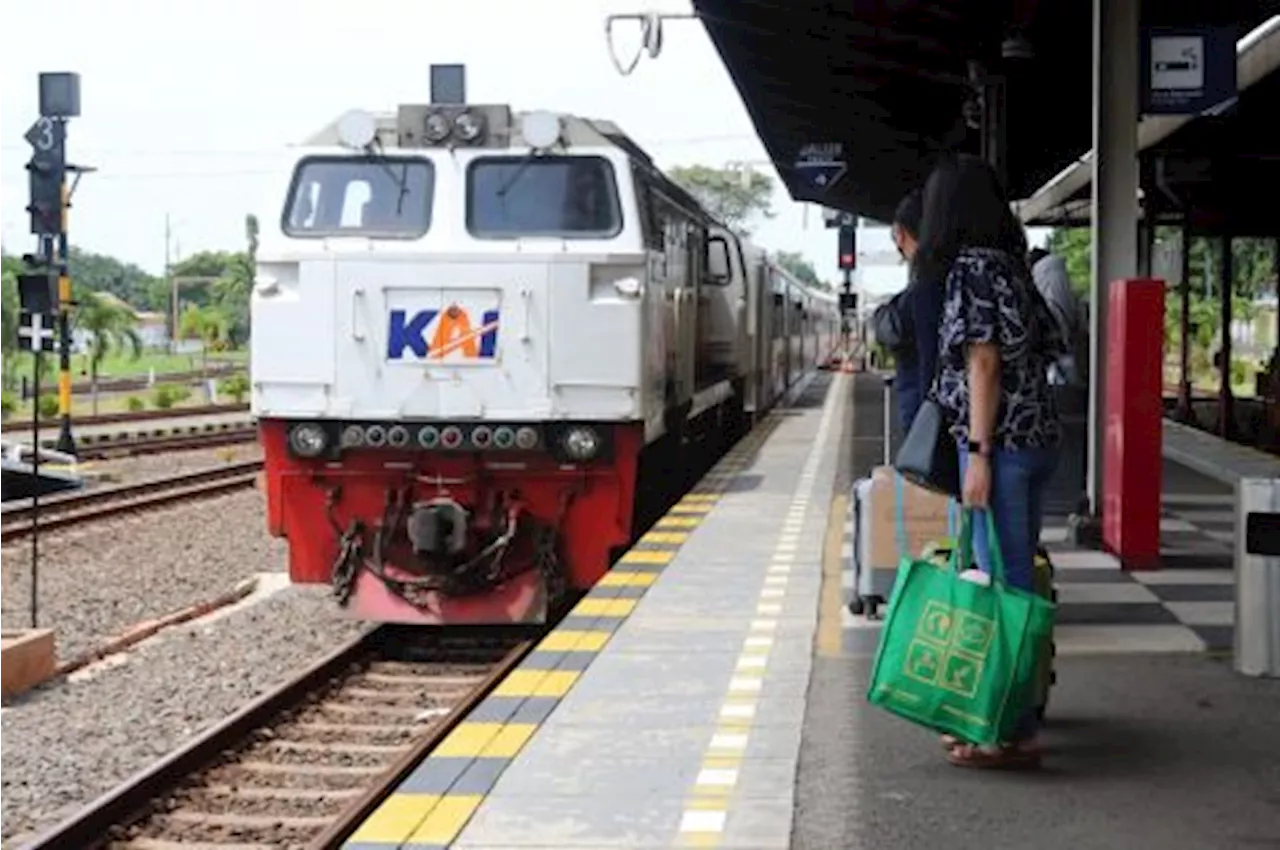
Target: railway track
[(303, 765), (132, 445), (73, 508)]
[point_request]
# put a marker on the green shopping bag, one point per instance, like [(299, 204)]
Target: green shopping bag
[(954, 655)]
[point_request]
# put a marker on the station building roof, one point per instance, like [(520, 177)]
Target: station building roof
[(889, 80)]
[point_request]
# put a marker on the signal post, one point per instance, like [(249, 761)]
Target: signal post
[(50, 198)]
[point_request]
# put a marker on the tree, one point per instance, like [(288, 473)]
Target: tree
[(731, 196), (794, 262), (10, 268), (110, 324), (92, 272), (207, 324), (232, 273)]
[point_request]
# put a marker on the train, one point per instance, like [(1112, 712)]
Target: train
[(482, 343)]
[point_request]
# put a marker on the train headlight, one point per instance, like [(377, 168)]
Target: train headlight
[(468, 126), (581, 443), (436, 128), (352, 437), (398, 436), (375, 435), (308, 439), (428, 436), (503, 437), (526, 438)]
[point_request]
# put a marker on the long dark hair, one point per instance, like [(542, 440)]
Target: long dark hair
[(964, 207)]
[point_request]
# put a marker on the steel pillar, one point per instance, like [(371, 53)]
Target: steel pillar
[(1115, 198)]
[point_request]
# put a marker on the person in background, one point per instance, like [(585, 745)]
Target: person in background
[(995, 339), (892, 322), (1049, 272)]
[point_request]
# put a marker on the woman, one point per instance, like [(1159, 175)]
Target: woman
[(892, 322), (995, 339)]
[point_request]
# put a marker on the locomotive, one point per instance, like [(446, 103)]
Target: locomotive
[(481, 342)]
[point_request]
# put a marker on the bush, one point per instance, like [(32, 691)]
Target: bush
[(236, 386), (8, 404), (48, 406), (134, 404), (163, 397)]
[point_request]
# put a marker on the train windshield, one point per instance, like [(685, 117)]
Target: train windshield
[(387, 197), (571, 197)]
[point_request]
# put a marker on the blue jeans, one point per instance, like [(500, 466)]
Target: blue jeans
[(1018, 483)]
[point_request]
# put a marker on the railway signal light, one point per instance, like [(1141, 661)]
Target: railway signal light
[(848, 257)]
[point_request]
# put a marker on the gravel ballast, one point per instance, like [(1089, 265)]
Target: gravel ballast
[(99, 579), (130, 470), (71, 741)]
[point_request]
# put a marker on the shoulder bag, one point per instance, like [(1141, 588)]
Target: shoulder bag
[(928, 456)]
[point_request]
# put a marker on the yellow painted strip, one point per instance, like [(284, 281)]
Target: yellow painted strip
[(675, 537), (722, 762), (536, 683), (507, 743), (692, 508), (446, 819), (678, 522), (568, 640), (831, 596), (395, 818), (626, 579), (700, 497), (469, 739), (646, 556), (604, 607), (700, 839), (703, 804)]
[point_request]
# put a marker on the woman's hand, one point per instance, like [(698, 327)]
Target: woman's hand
[(977, 482)]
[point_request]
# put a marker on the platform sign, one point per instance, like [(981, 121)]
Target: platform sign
[(832, 219), (821, 165), (1186, 70)]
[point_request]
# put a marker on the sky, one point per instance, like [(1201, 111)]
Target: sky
[(187, 106)]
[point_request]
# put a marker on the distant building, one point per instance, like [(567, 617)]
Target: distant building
[(151, 327)]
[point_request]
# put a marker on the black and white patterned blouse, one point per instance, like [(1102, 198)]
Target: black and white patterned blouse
[(989, 298)]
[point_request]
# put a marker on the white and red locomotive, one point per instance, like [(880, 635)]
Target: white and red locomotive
[(481, 342)]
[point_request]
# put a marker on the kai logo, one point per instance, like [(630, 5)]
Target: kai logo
[(442, 334)]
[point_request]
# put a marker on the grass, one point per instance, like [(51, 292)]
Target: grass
[(115, 403), (119, 365)]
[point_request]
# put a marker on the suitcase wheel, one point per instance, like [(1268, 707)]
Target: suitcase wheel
[(873, 606), (856, 605)]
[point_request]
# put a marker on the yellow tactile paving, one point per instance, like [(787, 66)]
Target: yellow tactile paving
[(621, 578), (647, 556), (678, 522), (395, 818), (603, 607), (446, 820), (569, 640)]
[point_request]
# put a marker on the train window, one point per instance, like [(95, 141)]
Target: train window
[(384, 197), (719, 266), (572, 197)]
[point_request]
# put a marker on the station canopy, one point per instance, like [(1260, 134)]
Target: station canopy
[(890, 82)]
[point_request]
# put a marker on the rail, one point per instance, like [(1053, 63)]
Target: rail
[(74, 508), (162, 802)]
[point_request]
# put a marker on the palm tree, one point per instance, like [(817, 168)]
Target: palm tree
[(110, 324), (207, 324)]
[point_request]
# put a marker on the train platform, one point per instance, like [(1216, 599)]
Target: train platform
[(709, 692)]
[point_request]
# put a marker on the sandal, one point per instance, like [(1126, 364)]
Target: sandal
[(1004, 757), (950, 742)]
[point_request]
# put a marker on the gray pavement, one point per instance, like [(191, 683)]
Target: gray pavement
[(1171, 752)]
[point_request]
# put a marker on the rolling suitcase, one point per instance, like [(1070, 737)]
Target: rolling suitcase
[(939, 552), (864, 599)]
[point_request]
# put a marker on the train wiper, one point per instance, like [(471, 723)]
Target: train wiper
[(401, 182), (518, 173)]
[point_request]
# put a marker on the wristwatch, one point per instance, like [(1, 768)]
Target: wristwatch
[(977, 447)]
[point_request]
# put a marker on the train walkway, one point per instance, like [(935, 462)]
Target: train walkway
[(709, 692)]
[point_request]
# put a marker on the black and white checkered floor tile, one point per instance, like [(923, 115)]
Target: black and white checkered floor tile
[(1187, 606)]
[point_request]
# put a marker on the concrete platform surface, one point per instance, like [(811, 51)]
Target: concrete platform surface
[(1174, 752), (668, 705)]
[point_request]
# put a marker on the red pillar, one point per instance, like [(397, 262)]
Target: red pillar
[(1135, 410)]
